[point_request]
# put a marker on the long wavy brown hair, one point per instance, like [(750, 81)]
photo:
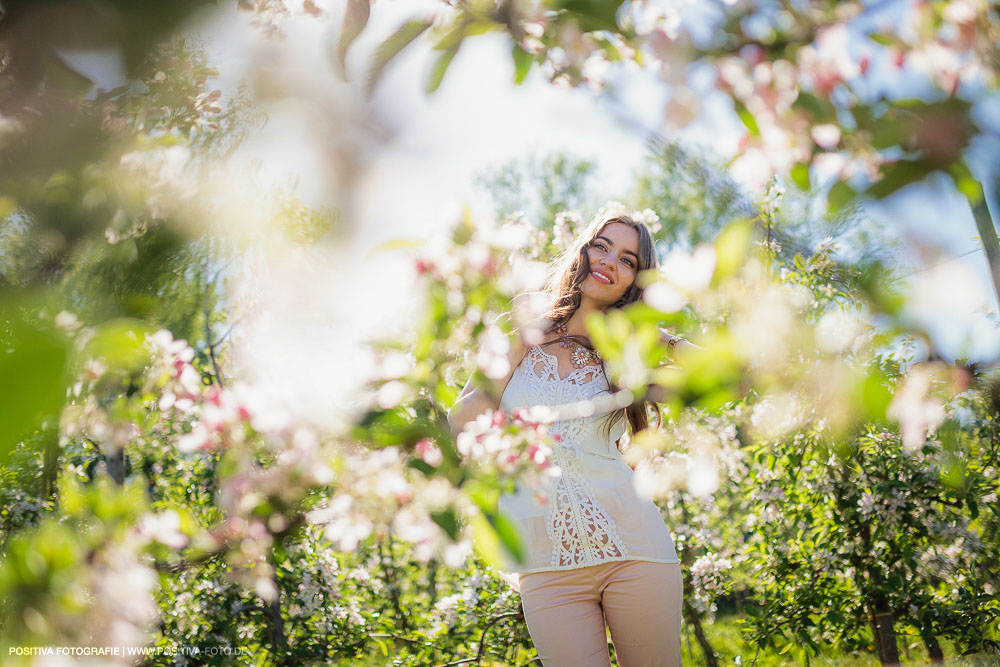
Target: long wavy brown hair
[(569, 270)]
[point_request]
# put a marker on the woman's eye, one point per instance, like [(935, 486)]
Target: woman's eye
[(629, 262), (600, 245)]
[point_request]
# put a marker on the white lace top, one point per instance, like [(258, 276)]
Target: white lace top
[(593, 514)]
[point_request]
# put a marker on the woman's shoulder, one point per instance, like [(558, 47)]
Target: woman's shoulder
[(529, 308)]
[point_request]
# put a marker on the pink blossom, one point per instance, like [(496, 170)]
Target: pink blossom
[(423, 266), (428, 452), (826, 136), (199, 439), (163, 528)]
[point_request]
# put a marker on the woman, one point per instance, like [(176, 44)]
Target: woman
[(595, 552)]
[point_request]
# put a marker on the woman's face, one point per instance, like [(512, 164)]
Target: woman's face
[(614, 261)]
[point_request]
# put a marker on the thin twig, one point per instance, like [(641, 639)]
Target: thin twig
[(251, 607), (215, 366), (493, 621), (482, 640), (389, 569), (225, 335), (383, 635), (186, 564), (463, 661)]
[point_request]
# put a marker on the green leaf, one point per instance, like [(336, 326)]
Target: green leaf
[(522, 64), (875, 281), (121, 343), (966, 183), (493, 529), (473, 28), (819, 108), (33, 373), (747, 118), (874, 396), (395, 244), (591, 15), (600, 335), (395, 43), (973, 507), (953, 473), (800, 176), (892, 128), (388, 427), (507, 532), (355, 19), (731, 248), (895, 176), (840, 195), (439, 68), (884, 40), (715, 399), (493, 532), (7, 206), (448, 522)]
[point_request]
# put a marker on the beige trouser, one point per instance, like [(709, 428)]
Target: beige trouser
[(640, 600)]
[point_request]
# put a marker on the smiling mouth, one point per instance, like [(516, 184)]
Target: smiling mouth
[(601, 278)]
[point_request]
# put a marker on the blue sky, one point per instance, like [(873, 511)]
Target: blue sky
[(418, 171)]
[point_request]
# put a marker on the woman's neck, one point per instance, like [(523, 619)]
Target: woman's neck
[(576, 326)]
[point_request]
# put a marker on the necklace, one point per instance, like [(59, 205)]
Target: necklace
[(580, 356)]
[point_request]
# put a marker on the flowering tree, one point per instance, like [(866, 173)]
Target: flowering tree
[(807, 79), (845, 529), (155, 501), (814, 83)]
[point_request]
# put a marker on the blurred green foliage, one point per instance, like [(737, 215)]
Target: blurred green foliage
[(119, 524)]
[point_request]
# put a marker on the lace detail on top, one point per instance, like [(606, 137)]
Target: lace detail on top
[(581, 531), (545, 367)]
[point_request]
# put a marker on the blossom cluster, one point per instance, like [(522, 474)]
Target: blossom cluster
[(318, 594), (709, 576), (376, 492), (695, 452), (446, 610), (514, 447), (836, 60), (506, 254)]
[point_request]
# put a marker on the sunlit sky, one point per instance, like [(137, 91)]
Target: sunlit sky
[(413, 158)]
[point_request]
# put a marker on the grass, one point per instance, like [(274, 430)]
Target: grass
[(725, 637)]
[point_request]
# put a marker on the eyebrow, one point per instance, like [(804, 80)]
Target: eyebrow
[(610, 242)]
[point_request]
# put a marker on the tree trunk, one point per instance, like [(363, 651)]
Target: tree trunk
[(882, 622), (432, 591), (693, 618), (115, 460), (880, 615), (690, 613), (276, 625), (392, 585), (50, 463), (934, 652)]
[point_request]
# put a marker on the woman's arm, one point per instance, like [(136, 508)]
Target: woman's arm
[(476, 399), (677, 347)]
